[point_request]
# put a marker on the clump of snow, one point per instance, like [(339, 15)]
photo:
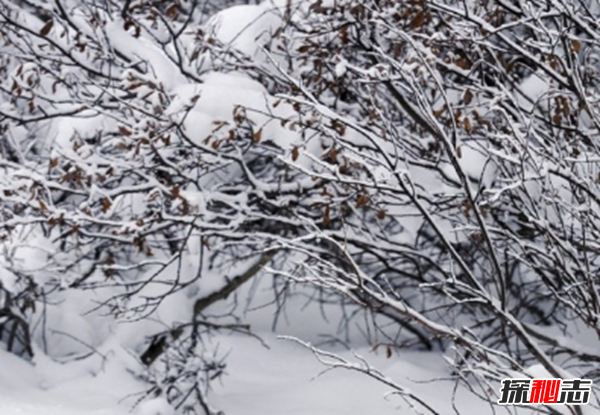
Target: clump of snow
[(245, 27), (157, 406), (533, 89), (475, 162), (235, 80), (8, 280), (153, 58), (31, 254), (204, 106), (340, 68), (66, 327)]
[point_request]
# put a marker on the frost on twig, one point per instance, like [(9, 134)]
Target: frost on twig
[(334, 361)]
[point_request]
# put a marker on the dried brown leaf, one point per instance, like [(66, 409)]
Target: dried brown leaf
[(467, 124), (362, 200), (45, 30), (124, 131), (106, 204), (468, 97), (257, 135), (172, 12)]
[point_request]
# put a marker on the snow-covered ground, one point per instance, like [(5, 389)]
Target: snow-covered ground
[(275, 380), (282, 380), (264, 375)]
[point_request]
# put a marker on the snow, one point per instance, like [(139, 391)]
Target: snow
[(84, 363), (8, 280), (50, 388), (244, 27), (267, 387), (32, 253), (157, 406), (475, 163), (263, 377), (282, 379), (534, 87), (269, 376), (157, 63), (340, 68), (216, 102)]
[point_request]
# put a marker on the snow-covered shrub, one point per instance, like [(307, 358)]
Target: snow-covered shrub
[(136, 184), (460, 177), (435, 164)]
